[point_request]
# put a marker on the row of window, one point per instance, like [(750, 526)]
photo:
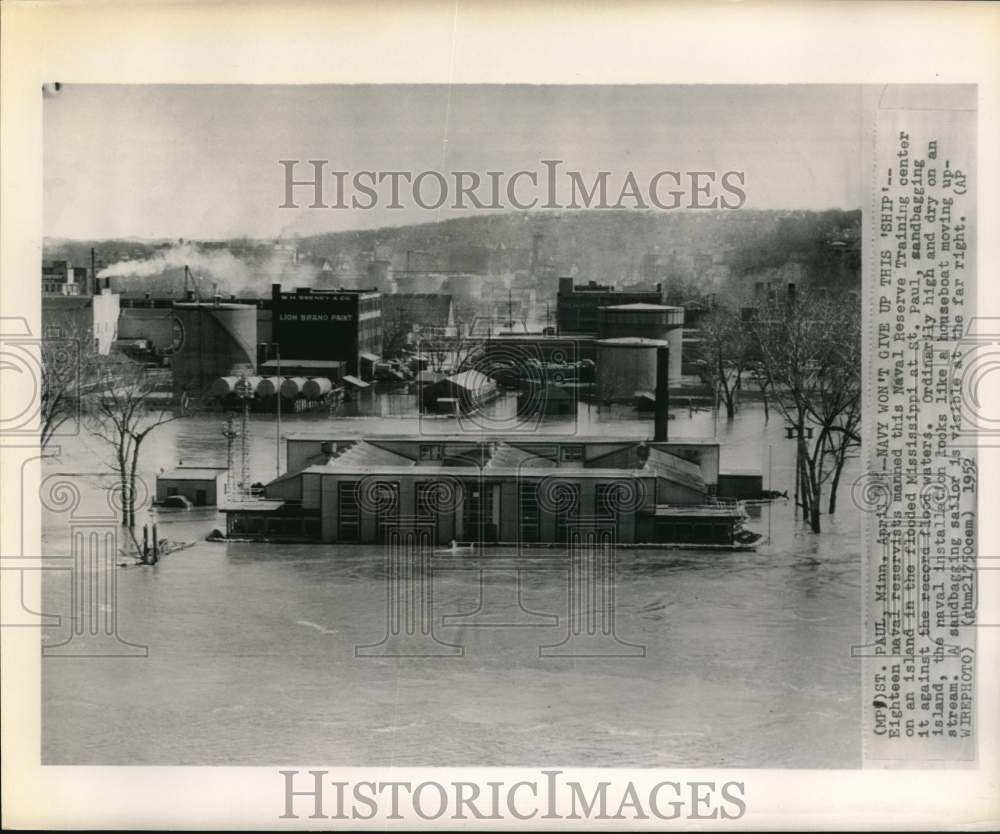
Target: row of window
[(480, 521)]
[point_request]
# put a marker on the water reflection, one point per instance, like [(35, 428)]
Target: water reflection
[(252, 646)]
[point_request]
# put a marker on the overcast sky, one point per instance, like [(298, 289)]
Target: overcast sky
[(201, 162)]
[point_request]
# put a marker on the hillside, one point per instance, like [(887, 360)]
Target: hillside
[(620, 247)]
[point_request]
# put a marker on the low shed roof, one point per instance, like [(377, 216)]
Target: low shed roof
[(192, 473)]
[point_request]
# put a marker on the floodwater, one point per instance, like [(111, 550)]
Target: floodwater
[(745, 659)]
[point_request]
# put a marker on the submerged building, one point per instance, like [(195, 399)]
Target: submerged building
[(492, 491)]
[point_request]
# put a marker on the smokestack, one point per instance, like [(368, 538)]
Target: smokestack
[(791, 293), (662, 414), (536, 242), (94, 282)]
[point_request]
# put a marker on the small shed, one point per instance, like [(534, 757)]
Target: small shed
[(203, 486), (740, 484), (366, 365), (471, 389)]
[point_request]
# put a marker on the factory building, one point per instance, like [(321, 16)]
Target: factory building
[(492, 490), (577, 306), (517, 348), (60, 277), (340, 325), (211, 340), (149, 320), (91, 319)]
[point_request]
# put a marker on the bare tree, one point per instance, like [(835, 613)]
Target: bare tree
[(723, 355), (436, 351), (396, 330), (68, 372), (123, 412), (810, 356)]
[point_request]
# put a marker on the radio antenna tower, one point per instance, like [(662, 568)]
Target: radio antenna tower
[(245, 393), (230, 433)]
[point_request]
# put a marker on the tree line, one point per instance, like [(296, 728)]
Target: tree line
[(802, 356)]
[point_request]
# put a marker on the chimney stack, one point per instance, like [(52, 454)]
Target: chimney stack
[(536, 244), (662, 413), (94, 282)]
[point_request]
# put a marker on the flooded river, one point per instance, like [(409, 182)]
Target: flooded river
[(252, 647)]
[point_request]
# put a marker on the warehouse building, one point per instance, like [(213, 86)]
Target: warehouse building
[(467, 391), (203, 486), (578, 306), (492, 490), (341, 325)]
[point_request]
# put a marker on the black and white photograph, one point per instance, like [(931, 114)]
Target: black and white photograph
[(406, 459), (568, 427)]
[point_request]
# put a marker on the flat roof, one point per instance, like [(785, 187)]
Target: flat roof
[(477, 439), (642, 306), (213, 305), (302, 363), (634, 341), (697, 510), (254, 505), (540, 337), (192, 473), (473, 471)]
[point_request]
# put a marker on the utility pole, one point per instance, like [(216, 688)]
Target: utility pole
[(245, 393), (277, 430)]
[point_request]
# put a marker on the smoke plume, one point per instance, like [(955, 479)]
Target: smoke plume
[(248, 275)]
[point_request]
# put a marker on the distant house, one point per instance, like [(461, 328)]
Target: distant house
[(203, 486)]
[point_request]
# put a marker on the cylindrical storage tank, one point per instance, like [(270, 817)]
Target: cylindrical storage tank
[(675, 338), (318, 386), (292, 387), (247, 386), (269, 387), (625, 366), (224, 386), (211, 341), (647, 321)]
